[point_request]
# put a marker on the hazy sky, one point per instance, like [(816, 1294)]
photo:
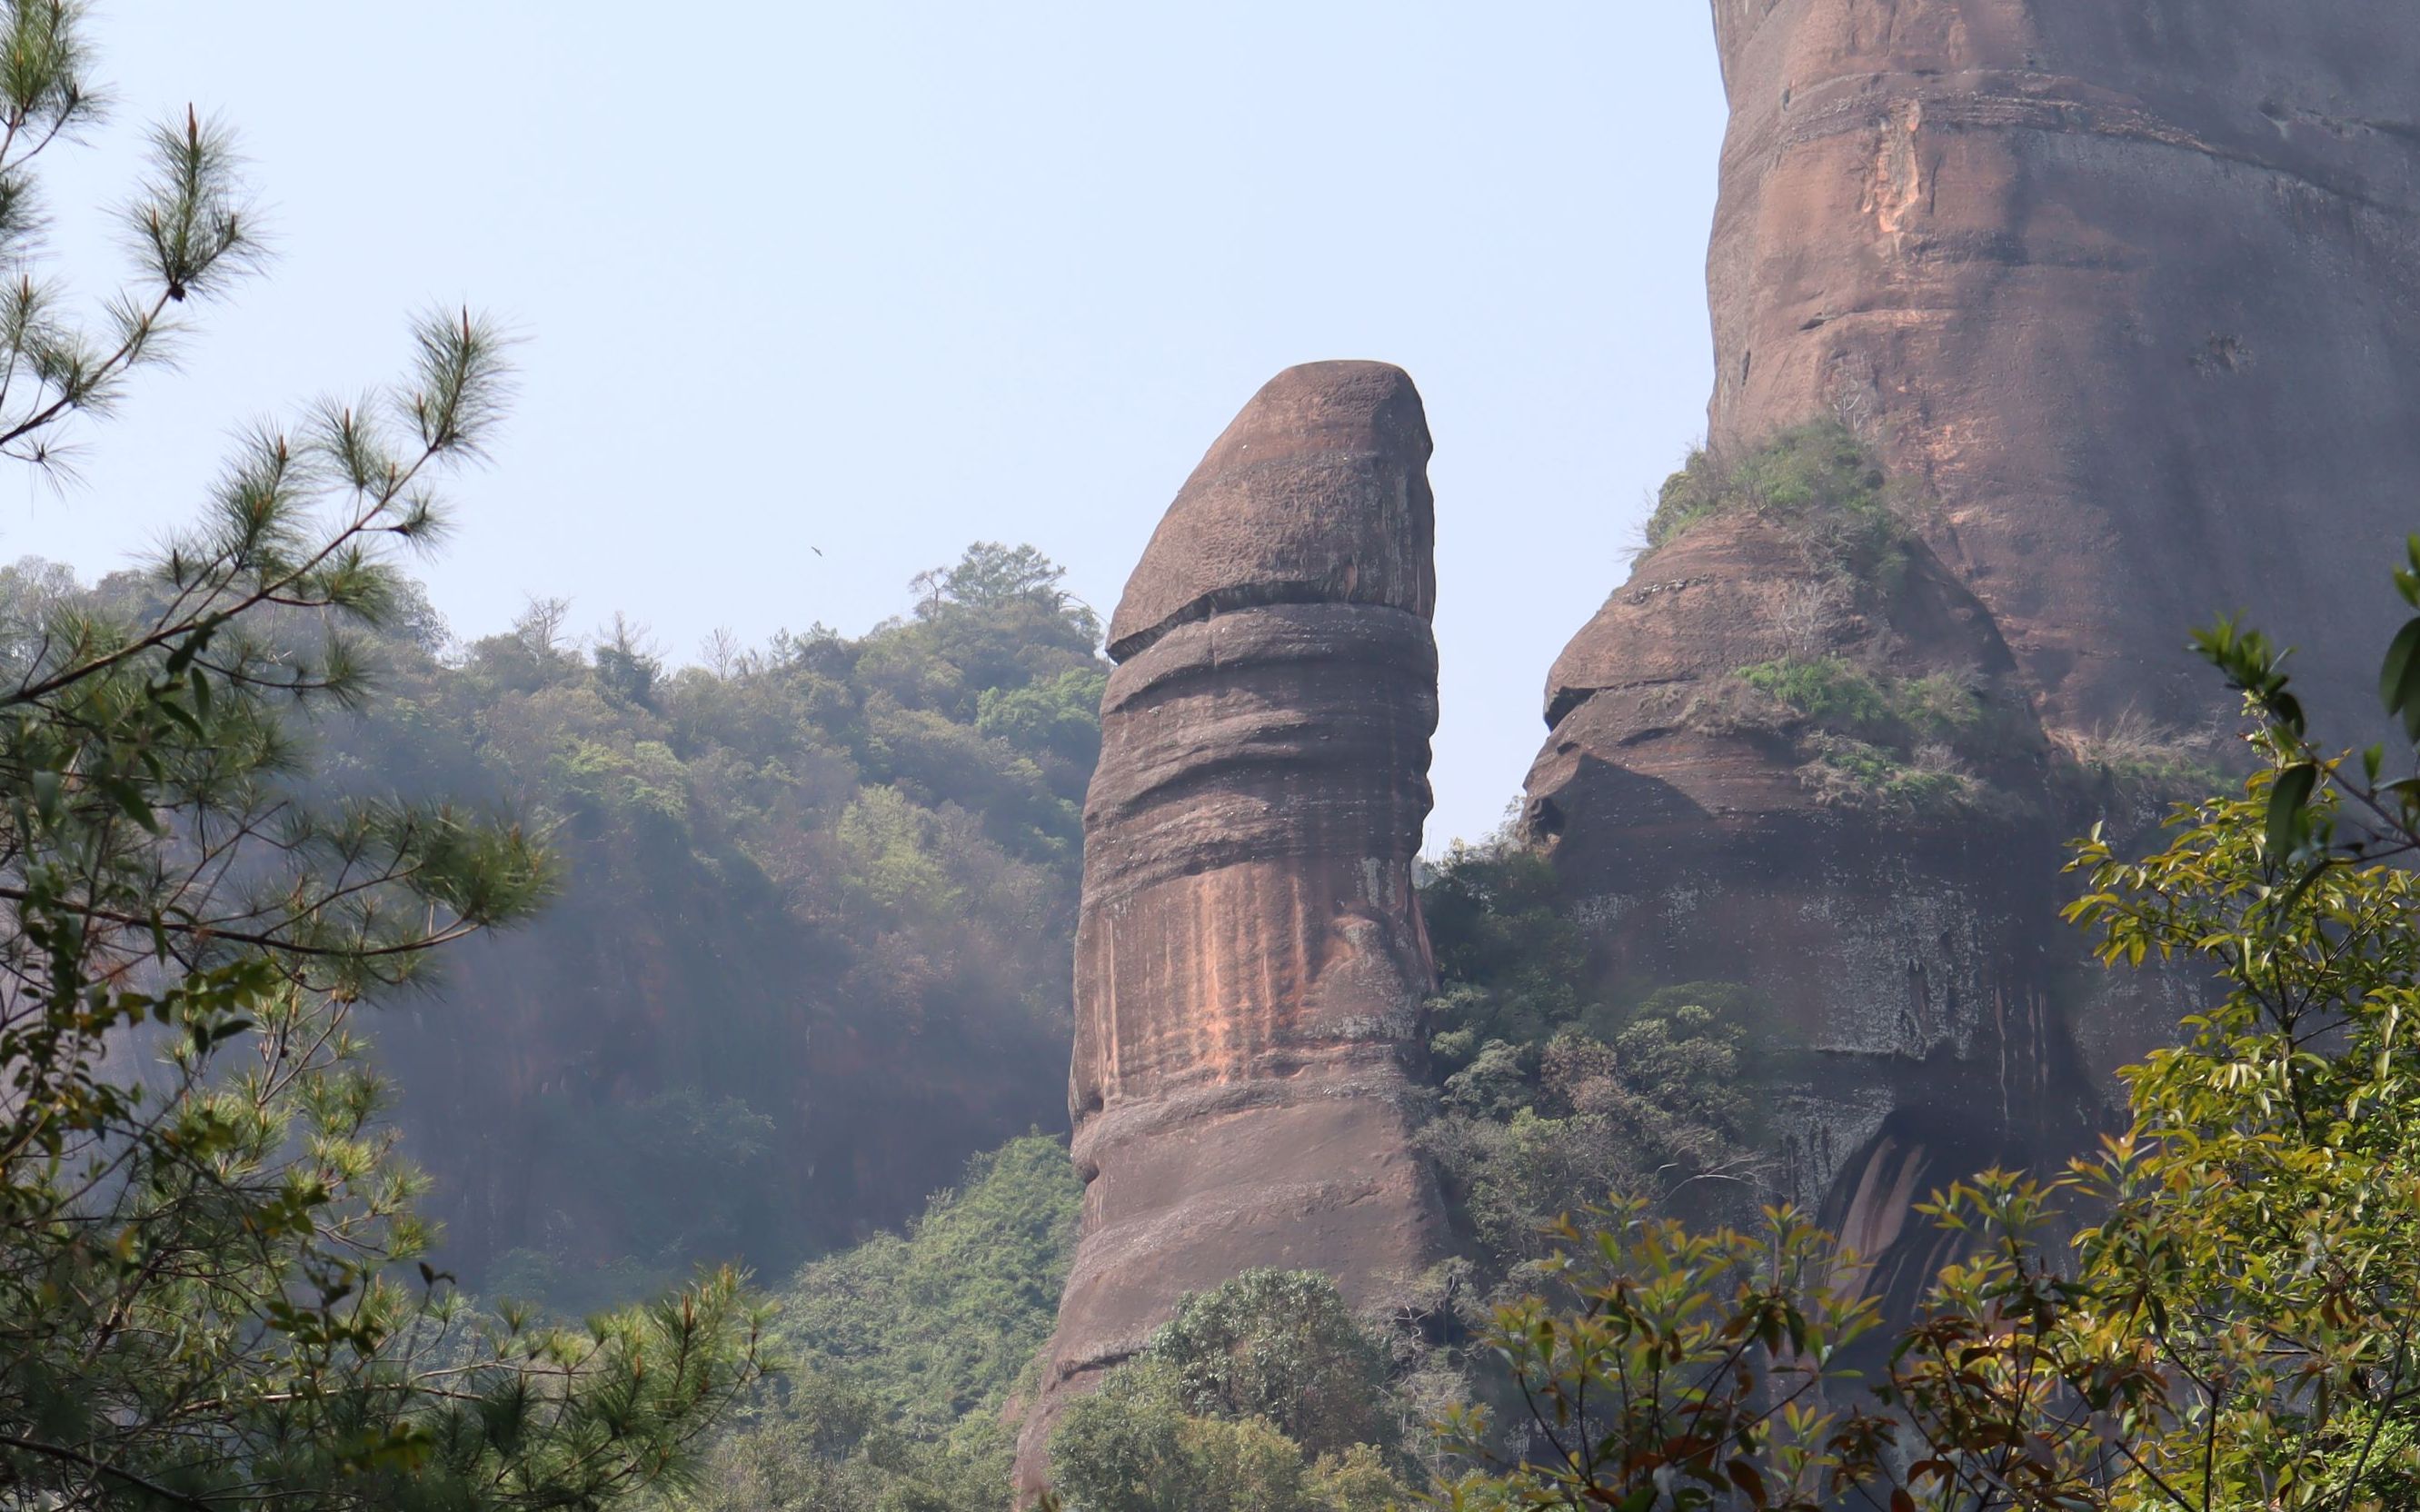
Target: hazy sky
[(888, 278)]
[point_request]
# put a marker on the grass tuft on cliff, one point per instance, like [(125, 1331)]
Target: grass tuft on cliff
[(2131, 773), (1870, 739), (1817, 479)]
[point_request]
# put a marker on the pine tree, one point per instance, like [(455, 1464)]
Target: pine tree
[(208, 1289)]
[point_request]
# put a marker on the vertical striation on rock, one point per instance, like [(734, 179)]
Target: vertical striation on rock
[(1250, 958), (2125, 289)]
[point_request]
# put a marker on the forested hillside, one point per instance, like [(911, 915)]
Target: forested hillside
[(811, 949), (904, 1354)]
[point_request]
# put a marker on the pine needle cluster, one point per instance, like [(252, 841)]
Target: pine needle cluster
[(213, 1285)]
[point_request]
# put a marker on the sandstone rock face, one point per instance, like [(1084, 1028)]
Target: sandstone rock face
[(1912, 1026), (1249, 959), (2129, 283), (2126, 289)]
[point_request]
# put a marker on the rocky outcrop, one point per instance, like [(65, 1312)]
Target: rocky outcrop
[(2121, 289), (1249, 959), (1872, 860), (2128, 284)]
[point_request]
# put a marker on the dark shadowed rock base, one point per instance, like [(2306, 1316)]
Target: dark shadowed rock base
[(1250, 961)]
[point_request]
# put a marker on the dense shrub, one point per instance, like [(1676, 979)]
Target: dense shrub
[(904, 1352), (1553, 1088), (1280, 1345), (1867, 737), (1261, 1395), (1820, 482), (818, 901)]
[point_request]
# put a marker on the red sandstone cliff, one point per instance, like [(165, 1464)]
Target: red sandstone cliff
[(2134, 286), (2125, 289)]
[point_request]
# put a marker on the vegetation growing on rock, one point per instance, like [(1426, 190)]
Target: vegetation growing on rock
[(1869, 720), (2131, 773), (1871, 738), (1820, 482), (1551, 1091), (2230, 1325)]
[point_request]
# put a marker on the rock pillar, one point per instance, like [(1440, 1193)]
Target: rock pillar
[(1249, 959)]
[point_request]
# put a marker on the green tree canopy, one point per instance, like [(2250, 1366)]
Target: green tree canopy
[(1263, 1395), (208, 1296), (2232, 1325)]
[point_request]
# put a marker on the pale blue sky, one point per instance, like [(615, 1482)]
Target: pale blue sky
[(885, 279)]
